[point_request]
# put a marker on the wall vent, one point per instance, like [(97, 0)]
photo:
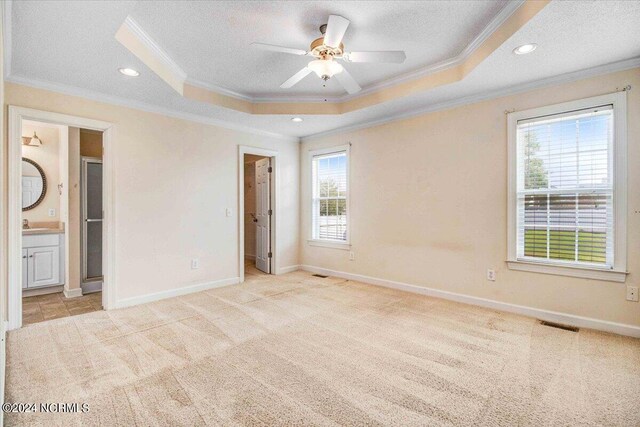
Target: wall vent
[(320, 275), (559, 326)]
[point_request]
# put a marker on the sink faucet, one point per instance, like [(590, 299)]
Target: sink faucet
[(25, 224)]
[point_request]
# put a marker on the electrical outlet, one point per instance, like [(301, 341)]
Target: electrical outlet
[(195, 263), (632, 293), (491, 275), (52, 212), (352, 256)]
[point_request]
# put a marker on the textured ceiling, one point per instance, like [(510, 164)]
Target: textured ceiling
[(211, 41), (72, 46)]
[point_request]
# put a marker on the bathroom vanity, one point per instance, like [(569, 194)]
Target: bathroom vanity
[(43, 261), (42, 257)]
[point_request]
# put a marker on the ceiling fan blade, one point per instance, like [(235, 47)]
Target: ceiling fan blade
[(274, 48), (296, 78), (388, 56), (336, 27), (347, 81)]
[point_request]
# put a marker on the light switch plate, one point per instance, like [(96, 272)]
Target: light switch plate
[(195, 263), (228, 211), (52, 212)]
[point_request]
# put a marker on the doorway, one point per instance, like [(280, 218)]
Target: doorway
[(41, 250), (257, 212)]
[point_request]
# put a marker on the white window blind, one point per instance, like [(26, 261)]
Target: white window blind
[(565, 188), (330, 188)]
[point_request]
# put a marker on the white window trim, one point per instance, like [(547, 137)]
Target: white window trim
[(326, 243), (619, 271)]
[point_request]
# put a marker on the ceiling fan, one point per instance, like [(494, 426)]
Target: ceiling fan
[(327, 49)]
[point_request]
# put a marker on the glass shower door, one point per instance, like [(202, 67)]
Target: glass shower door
[(92, 219)]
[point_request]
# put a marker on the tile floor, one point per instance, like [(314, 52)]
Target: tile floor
[(250, 268), (53, 306)]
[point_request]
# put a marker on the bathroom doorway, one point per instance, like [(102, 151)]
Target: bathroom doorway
[(45, 169)]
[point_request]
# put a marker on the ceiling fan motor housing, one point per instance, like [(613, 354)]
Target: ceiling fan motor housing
[(322, 51)]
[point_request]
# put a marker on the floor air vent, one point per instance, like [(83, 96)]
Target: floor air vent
[(322, 276), (559, 326)]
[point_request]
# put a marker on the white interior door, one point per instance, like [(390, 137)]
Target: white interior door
[(263, 215)]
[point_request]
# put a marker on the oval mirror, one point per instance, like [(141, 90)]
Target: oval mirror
[(34, 184)]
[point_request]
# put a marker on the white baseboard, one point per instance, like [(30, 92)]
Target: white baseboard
[(550, 316), (288, 269), (42, 291), (72, 293), (128, 302), (250, 257)]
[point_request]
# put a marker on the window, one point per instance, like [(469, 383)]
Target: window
[(330, 185), (566, 196)]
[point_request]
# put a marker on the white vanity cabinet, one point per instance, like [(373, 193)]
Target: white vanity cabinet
[(42, 260)]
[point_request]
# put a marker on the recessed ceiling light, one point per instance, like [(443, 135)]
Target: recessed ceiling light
[(130, 72), (297, 119), (525, 48)]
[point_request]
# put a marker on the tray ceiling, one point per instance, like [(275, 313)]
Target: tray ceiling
[(72, 49)]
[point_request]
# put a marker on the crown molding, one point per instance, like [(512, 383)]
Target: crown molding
[(258, 100), (124, 102), (6, 36), (493, 25), (142, 106), (484, 96), (154, 47), (219, 89)]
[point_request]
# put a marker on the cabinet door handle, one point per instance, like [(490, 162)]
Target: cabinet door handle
[(30, 256), (24, 256)]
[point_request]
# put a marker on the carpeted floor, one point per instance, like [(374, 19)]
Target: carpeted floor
[(302, 350)]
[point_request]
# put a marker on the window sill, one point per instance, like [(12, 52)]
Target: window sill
[(561, 270), (329, 244)]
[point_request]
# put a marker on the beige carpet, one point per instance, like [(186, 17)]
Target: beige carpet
[(300, 350)]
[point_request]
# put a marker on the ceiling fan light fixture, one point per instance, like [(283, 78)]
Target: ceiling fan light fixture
[(325, 68)]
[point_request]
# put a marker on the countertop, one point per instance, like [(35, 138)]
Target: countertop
[(38, 230)]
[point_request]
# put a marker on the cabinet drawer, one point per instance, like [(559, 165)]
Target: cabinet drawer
[(35, 240)]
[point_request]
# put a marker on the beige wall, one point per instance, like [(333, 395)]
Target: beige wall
[(48, 157), (90, 143), (173, 180), (429, 205), (73, 261)]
